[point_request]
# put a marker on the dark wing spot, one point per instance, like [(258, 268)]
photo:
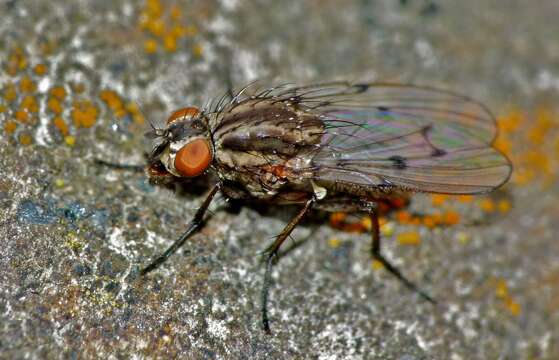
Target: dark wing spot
[(383, 109), (438, 152), (361, 88), (398, 162)]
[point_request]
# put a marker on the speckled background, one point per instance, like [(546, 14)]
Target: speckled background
[(78, 80)]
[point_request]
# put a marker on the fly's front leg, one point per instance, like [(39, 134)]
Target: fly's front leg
[(194, 226), (271, 252), (375, 252)]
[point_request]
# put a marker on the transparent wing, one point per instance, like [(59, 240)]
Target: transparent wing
[(417, 138)]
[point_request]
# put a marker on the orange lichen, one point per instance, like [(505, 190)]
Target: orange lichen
[(25, 139), (84, 113), (403, 217), (465, 198), (113, 101), (334, 242), (409, 238), (377, 265), (170, 43), (27, 85), (10, 126), (40, 69), (3, 108), (150, 46), (504, 205), (54, 105), (10, 92), (22, 115), (438, 199), (17, 61), (134, 110), (502, 292), (487, 205), (30, 104), (58, 92), (429, 221), (451, 218), (60, 124)]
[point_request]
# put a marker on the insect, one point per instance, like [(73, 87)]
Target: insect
[(333, 146)]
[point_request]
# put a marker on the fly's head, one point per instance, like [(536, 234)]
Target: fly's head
[(183, 148)]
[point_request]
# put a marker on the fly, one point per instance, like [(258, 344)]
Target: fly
[(333, 146)]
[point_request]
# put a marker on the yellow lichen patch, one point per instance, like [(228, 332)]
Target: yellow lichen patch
[(409, 238), (27, 85), (502, 292), (61, 125), (376, 265), (59, 183), (54, 105), (84, 113), (463, 237), (40, 69), (197, 50), (58, 92), (387, 229), (10, 92), (3, 108), (17, 61), (70, 140), (10, 126), (30, 104), (334, 242), (25, 139)]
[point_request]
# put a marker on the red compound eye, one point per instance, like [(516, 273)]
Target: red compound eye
[(193, 158), (184, 113)]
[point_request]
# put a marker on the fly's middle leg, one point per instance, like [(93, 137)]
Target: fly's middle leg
[(377, 255), (271, 254)]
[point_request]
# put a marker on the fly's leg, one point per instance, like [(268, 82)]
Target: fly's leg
[(271, 253), (194, 226), (375, 252)]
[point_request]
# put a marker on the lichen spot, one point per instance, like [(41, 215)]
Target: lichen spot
[(184, 113), (193, 158)]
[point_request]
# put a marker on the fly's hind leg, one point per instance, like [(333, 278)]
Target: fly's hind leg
[(375, 252), (271, 254)]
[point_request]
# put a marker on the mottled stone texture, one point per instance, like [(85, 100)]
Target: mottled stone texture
[(73, 234)]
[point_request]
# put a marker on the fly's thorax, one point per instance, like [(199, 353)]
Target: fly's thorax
[(262, 145)]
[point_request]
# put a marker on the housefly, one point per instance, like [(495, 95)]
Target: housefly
[(333, 146)]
